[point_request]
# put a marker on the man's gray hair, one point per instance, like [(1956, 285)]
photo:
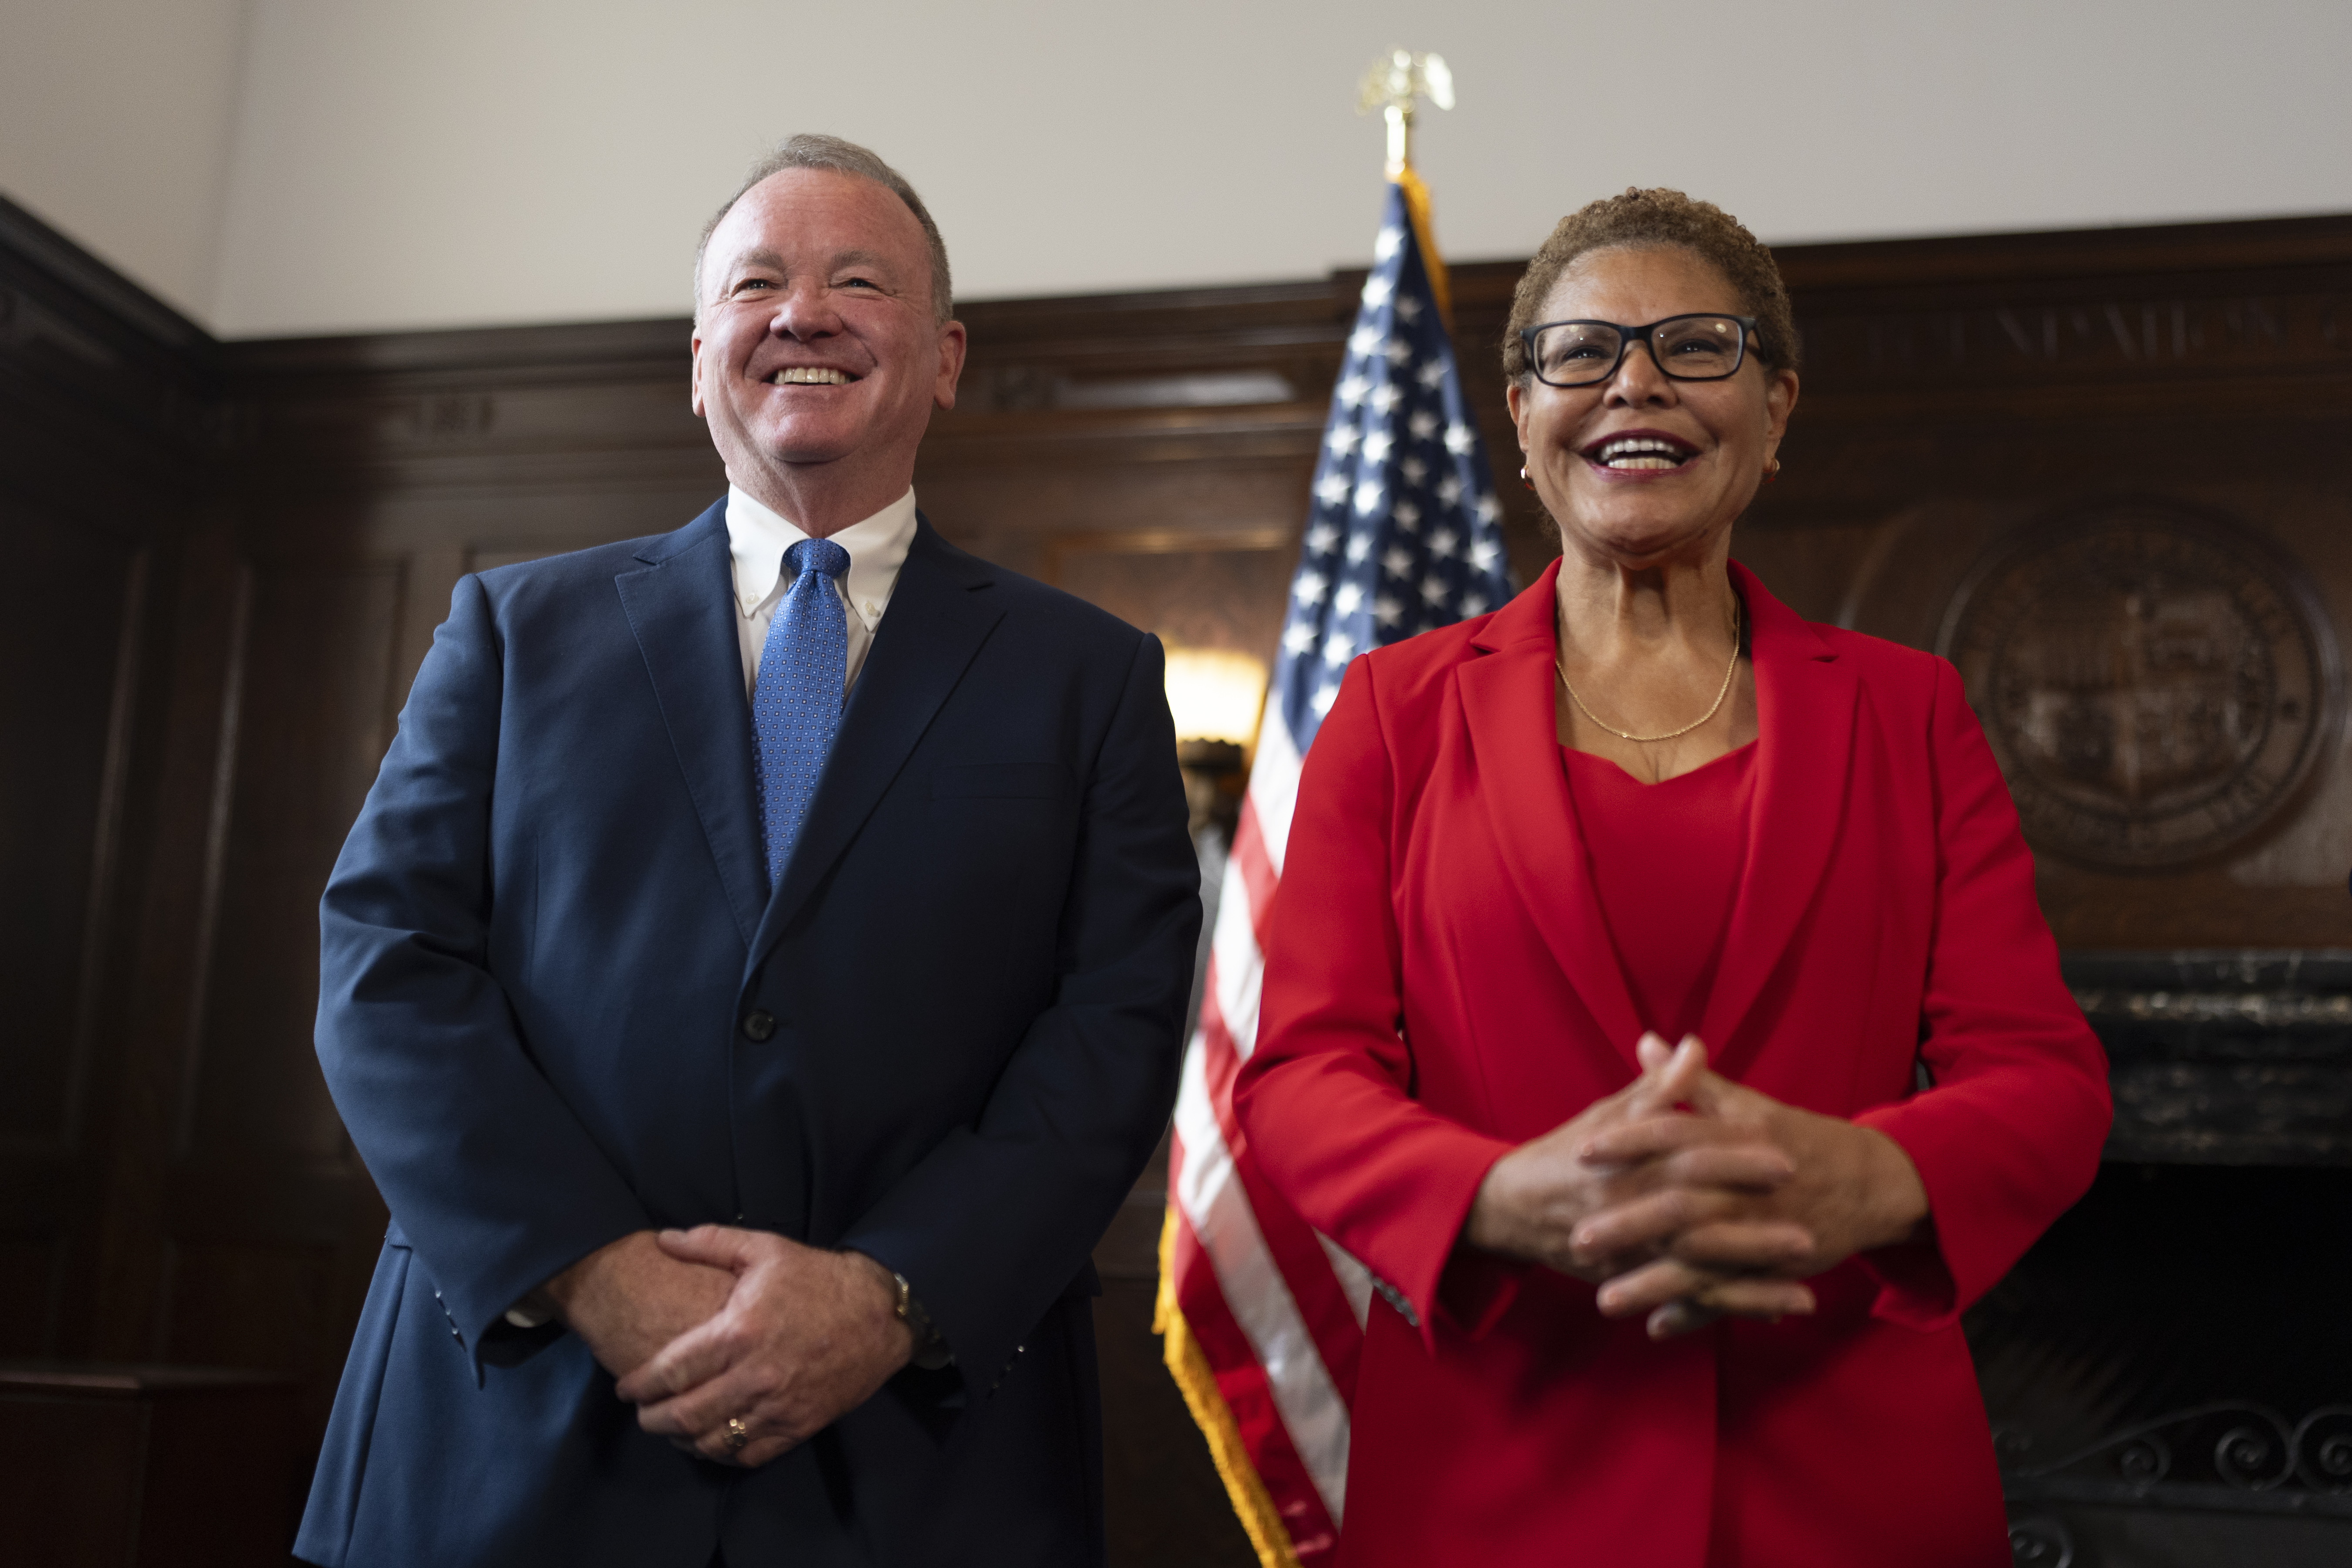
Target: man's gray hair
[(837, 156)]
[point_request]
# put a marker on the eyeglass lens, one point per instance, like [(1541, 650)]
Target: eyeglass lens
[(1688, 348)]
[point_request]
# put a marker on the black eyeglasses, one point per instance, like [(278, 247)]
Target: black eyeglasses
[(1687, 348)]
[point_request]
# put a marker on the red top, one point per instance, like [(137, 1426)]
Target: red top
[(1665, 861), (1440, 987)]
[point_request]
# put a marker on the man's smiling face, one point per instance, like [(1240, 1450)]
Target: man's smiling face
[(817, 352)]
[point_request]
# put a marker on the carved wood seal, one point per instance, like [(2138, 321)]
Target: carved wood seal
[(2155, 683)]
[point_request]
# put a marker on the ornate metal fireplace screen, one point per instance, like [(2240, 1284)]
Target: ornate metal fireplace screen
[(2242, 1448), (2175, 1347)]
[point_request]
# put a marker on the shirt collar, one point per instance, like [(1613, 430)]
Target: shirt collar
[(757, 538)]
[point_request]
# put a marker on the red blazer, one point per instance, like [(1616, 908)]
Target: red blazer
[(1440, 987)]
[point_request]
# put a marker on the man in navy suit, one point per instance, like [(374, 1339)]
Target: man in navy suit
[(749, 1068)]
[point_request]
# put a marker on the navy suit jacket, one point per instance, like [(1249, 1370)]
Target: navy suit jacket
[(540, 948)]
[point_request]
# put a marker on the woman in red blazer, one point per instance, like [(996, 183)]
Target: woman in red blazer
[(1688, 1306)]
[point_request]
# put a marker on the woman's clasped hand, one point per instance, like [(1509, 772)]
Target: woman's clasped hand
[(1689, 1197)]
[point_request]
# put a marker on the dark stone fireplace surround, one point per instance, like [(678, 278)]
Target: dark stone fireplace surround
[(2169, 1371)]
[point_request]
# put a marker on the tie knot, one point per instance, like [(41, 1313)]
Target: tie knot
[(817, 556)]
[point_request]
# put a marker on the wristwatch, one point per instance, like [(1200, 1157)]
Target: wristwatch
[(930, 1351)]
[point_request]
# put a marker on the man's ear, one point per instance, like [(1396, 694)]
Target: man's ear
[(693, 374), (952, 343)]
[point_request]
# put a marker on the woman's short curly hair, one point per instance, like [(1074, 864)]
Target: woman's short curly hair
[(1646, 219)]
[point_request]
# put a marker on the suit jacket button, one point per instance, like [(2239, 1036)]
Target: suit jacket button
[(759, 1025)]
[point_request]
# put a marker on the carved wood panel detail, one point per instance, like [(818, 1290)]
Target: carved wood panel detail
[(2154, 685), (69, 619), (308, 721)]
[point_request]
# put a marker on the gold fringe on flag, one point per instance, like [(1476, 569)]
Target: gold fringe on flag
[(1416, 202), (1188, 1365)]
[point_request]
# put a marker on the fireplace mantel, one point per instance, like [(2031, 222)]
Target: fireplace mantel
[(2222, 1058)]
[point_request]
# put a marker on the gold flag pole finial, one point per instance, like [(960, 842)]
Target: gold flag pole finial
[(1391, 85)]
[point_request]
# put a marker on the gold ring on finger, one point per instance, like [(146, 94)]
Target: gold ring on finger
[(736, 1433)]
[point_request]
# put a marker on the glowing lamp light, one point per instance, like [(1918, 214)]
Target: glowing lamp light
[(1216, 694)]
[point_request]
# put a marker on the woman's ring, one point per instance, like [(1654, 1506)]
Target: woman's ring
[(736, 1433)]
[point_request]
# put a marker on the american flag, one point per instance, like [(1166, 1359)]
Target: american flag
[(1263, 1317)]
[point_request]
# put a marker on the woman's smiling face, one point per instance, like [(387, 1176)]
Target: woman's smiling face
[(1642, 466)]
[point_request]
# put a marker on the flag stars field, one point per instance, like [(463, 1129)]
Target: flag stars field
[(1402, 536)]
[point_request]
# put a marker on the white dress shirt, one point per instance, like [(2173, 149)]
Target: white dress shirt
[(757, 538)]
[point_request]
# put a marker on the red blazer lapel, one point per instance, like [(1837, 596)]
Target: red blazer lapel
[(1805, 700), (1507, 701)]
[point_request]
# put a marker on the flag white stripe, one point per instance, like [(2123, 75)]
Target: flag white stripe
[(1240, 964), (1273, 784), (1381, 559), (1255, 1292)]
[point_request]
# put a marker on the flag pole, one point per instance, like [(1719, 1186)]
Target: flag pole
[(1261, 1317), (1394, 85)]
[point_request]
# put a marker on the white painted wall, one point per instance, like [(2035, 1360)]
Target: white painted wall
[(115, 121), (438, 163)]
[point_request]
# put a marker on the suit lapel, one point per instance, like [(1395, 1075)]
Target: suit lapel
[(681, 606), (1507, 701), (1805, 702), (940, 613)]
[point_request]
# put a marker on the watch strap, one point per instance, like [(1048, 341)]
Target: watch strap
[(931, 1351)]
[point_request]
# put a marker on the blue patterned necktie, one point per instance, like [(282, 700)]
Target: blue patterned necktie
[(796, 704)]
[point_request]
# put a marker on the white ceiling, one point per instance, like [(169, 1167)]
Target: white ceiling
[(296, 166)]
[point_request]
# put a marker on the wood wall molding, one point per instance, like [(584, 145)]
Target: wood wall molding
[(85, 354)]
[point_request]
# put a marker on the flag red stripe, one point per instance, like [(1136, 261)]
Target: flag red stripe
[(1289, 1245), (1305, 1265), (1249, 860), (1242, 1383)]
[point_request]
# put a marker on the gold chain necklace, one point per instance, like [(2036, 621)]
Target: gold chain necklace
[(1728, 671)]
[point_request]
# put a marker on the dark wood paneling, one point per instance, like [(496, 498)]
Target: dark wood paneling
[(64, 611), (132, 1467), (77, 1464), (1963, 397), (311, 715), (1195, 588), (32, 1262), (1165, 1507), (253, 1304), (245, 550), (109, 419)]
